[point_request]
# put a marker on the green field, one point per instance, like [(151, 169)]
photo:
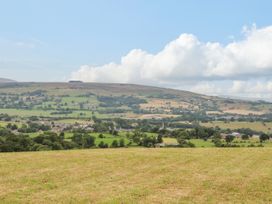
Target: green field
[(71, 121), (138, 175), (25, 113), (258, 126), (47, 113), (202, 143), (3, 123), (196, 142)]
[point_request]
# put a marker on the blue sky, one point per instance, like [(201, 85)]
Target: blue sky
[(48, 40)]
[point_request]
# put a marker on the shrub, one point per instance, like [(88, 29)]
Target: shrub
[(102, 145), (264, 137), (159, 139), (121, 142), (114, 144), (251, 145), (101, 135), (245, 137), (229, 138)]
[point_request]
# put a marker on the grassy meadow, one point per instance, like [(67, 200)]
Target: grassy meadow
[(138, 175), (257, 126)]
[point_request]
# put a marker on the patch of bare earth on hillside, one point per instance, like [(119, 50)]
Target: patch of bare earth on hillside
[(166, 104), (150, 116)]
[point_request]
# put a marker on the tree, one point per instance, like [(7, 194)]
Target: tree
[(50, 141), (83, 140), (121, 142), (12, 126), (114, 144), (89, 141), (136, 137), (77, 138), (143, 139), (115, 132), (103, 145), (101, 135), (128, 135), (100, 127), (216, 139), (148, 141), (15, 143), (263, 137), (201, 133), (62, 135), (245, 137), (229, 138), (159, 139), (183, 139), (9, 125)]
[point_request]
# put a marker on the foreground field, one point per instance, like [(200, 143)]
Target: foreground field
[(204, 175)]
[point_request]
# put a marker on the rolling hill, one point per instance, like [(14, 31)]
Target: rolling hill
[(4, 80), (119, 100)]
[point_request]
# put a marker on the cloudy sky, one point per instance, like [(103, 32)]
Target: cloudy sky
[(211, 47)]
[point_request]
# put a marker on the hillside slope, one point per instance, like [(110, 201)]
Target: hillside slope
[(123, 100), (4, 80)]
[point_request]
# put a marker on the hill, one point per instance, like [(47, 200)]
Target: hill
[(83, 100), (137, 175), (4, 80)]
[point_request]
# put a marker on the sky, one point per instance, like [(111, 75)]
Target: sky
[(211, 47)]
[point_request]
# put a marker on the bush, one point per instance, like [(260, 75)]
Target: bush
[(89, 141), (183, 139), (190, 144), (40, 147), (229, 138), (159, 139), (251, 145), (102, 145), (101, 135), (264, 137), (115, 133), (245, 137), (121, 142), (114, 144)]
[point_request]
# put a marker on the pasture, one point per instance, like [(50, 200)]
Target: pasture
[(258, 126), (48, 113), (138, 175), (208, 143)]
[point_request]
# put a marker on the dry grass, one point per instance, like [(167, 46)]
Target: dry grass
[(150, 116), (203, 175), (166, 104), (244, 112)]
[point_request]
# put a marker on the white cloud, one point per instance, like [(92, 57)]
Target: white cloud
[(188, 60), (206, 88), (253, 88), (23, 44), (26, 43)]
